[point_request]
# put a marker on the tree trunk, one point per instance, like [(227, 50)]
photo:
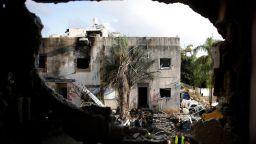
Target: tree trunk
[(210, 97), (123, 91), (120, 102), (128, 97), (123, 102)]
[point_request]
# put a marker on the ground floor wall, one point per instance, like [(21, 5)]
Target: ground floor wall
[(204, 91), (68, 91), (161, 94), (156, 97)]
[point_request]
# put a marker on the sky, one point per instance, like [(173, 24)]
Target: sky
[(142, 18)]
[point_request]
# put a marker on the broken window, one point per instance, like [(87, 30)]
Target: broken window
[(93, 33), (42, 61), (83, 42), (165, 63), (83, 63), (165, 92)]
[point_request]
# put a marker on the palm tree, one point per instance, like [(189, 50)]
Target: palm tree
[(203, 69), (187, 64), (124, 67)]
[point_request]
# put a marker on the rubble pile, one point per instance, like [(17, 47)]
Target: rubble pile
[(161, 127), (165, 125), (194, 95), (156, 127), (148, 127), (143, 120), (197, 97), (144, 138)]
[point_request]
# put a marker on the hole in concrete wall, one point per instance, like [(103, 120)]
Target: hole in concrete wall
[(165, 63), (42, 61), (143, 97), (82, 63), (93, 33), (62, 89), (83, 41), (125, 18), (165, 92)]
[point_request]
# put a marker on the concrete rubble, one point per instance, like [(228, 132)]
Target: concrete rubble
[(161, 127), (196, 121)]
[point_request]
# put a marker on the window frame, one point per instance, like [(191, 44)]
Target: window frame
[(80, 68), (165, 89), (165, 68)]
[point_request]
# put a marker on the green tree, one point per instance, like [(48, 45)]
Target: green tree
[(187, 63), (124, 67), (203, 69)]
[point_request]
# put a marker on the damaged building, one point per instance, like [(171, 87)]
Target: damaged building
[(71, 63), (29, 110)]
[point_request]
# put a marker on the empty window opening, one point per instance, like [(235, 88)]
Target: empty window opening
[(62, 89), (165, 92), (165, 63), (42, 61), (94, 33), (143, 97), (83, 63)]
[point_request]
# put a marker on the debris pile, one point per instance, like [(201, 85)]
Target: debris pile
[(143, 119), (196, 121), (202, 100), (160, 127)]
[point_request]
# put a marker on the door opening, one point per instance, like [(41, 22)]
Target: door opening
[(143, 97), (62, 89)]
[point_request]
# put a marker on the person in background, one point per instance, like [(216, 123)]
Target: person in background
[(138, 121), (186, 95)]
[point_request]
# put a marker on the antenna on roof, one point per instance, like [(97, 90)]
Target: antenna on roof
[(95, 21)]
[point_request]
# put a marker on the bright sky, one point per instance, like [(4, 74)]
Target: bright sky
[(130, 17)]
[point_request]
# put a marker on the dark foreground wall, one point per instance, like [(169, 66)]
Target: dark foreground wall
[(235, 21)]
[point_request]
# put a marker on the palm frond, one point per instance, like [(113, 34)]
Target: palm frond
[(130, 61)]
